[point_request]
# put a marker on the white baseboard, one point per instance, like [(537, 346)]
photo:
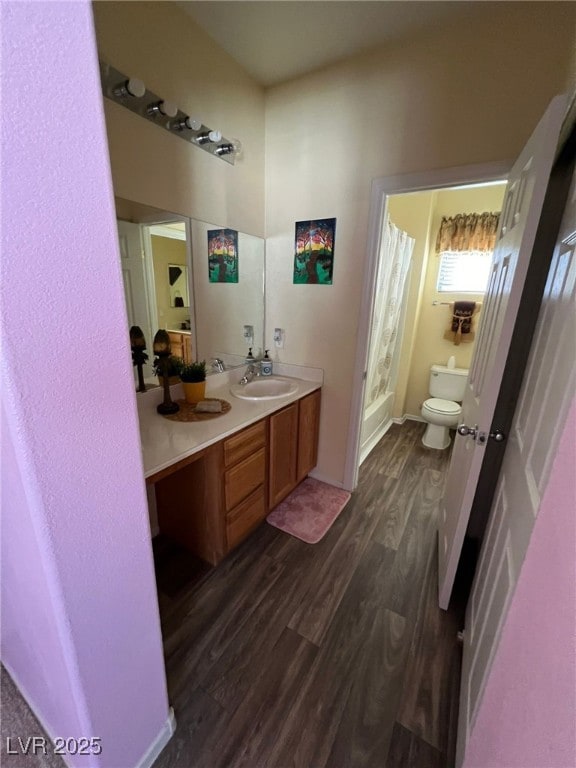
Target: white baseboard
[(159, 742), (409, 417), (146, 761), (324, 479)]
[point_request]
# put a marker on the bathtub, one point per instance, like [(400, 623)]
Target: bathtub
[(376, 422)]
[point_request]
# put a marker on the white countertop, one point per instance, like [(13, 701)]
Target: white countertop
[(165, 442)]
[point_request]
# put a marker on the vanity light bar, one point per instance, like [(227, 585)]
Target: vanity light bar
[(131, 93)]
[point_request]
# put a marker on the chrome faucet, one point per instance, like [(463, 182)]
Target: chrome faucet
[(218, 365), (252, 372)]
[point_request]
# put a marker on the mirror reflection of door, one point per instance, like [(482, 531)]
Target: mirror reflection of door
[(218, 312), (135, 286), (171, 278)]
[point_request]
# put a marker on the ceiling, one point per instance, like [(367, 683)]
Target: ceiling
[(276, 40)]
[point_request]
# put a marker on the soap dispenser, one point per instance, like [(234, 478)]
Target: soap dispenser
[(250, 357), (266, 365)]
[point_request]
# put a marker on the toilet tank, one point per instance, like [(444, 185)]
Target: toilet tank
[(448, 383)]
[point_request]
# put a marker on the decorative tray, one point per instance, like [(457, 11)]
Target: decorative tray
[(187, 412)]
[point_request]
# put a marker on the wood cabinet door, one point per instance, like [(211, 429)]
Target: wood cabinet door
[(308, 428), (283, 453), (187, 348), (176, 344)]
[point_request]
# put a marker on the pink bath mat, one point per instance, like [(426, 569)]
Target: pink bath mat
[(309, 511)]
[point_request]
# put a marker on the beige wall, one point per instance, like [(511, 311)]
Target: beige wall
[(433, 102), (430, 346), (160, 44), (223, 309), (167, 251)]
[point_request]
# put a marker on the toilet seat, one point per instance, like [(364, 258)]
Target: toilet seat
[(445, 407)]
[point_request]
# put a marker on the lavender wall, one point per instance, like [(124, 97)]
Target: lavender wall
[(527, 715), (80, 627), (28, 610)]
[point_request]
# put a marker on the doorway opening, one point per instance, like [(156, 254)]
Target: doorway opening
[(401, 395), (156, 267), (417, 284)]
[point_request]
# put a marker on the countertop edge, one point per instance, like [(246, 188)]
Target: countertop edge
[(247, 412)]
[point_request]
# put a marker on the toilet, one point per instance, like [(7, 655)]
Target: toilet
[(442, 410)]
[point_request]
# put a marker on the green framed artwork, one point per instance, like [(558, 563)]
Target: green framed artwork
[(314, 251), (222, 256)]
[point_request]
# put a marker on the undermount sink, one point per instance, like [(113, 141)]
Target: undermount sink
[(265, 388)]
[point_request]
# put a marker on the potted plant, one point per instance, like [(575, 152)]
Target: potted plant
[(193, 376), (174, 367)]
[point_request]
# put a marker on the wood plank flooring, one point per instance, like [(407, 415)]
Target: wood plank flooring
[(333, 655), (290, 655)]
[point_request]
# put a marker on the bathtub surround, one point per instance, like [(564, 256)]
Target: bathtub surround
[(390, 309)]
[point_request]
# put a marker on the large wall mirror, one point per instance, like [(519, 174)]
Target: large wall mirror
[(170, 282)]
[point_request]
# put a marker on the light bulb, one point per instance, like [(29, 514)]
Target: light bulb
[(234, 147), (187, 123), (208, 137), (132, 87), (167, 108)]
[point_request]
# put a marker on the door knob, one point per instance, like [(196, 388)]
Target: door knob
[(496, 435)]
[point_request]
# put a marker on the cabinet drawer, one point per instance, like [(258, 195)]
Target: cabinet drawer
[(245, 517), (242, 479), (244, 443)]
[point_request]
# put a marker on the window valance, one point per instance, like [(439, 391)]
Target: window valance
[(468, 232)]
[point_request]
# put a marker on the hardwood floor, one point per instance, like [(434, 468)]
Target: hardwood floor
[(334, 654)]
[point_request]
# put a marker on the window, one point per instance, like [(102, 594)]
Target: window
[(463, 271)]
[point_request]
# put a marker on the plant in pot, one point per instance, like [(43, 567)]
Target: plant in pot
[(175, 365), (193, 376)]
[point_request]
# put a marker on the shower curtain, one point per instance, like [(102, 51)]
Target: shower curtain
[(393, 265)]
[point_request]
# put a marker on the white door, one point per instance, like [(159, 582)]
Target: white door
[(135, 288), (540, 415), (521, 212)]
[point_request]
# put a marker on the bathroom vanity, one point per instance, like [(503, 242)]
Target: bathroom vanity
[(181, 345), (215, 481)]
